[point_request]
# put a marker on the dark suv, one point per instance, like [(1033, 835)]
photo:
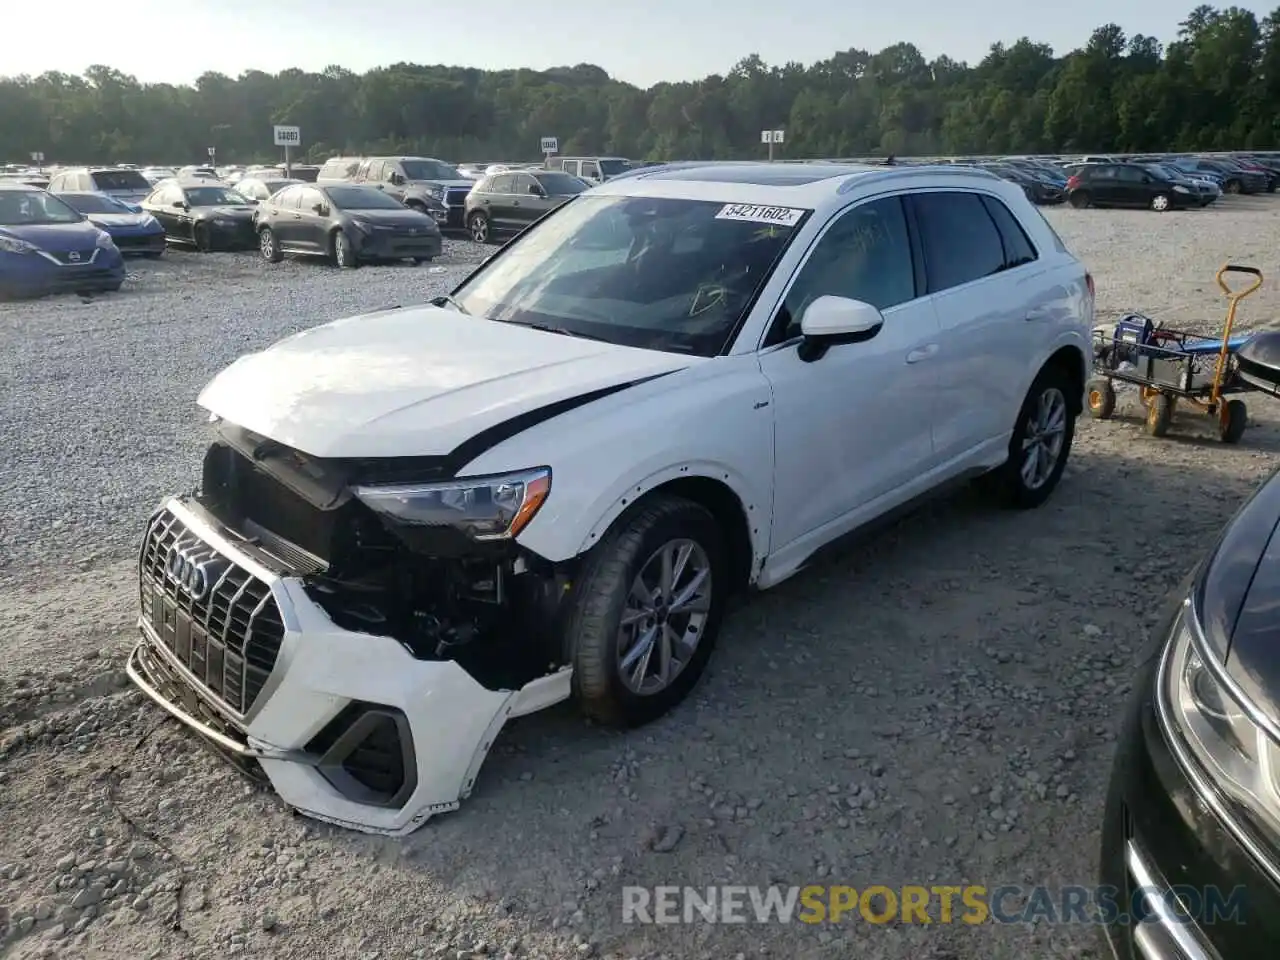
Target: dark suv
[(1128, 185), (420, 183), (506, 203)]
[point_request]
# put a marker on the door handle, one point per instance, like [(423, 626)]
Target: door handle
[(515, 203), (1037, 314), (922, 353)]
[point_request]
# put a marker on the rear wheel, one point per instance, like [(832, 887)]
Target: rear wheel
[(1231, 186), (1040, 444), (1102, 399), (1080, 199), (478, 227), (644, 613), (1159, 414), (1232, 420), (1160, 202)]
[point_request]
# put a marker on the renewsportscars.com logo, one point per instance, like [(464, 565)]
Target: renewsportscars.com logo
[(971, 904)]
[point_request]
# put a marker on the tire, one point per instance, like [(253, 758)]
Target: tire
[(153, 254), (1160, 202), (268, 246), (1080, 200), (1231, 186), (596, 639), (479, 228), (423, 259), (1159, 414), (201, 238), (343, 254), (1015, 484), (1232, 421), (1101, 399)]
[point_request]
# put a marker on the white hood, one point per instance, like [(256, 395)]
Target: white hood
[(414, 382)]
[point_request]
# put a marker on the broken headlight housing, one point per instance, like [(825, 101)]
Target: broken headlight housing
[(484, 508), (1215, 720)]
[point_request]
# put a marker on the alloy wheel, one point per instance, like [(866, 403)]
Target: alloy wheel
[(480, 229), (1045, 436), (666, 611)]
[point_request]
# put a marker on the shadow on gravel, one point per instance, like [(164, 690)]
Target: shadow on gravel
[(936, 706)]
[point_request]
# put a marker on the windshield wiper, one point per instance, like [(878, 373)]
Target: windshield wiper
[(563, 331), (448, 301)]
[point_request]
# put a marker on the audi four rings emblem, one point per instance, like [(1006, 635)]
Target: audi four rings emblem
[(195, 568)]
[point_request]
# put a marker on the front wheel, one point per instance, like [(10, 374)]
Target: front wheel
[(1160, 202), (1040, 443), (201, 238), (1159, 414), (344, 255), (268, 246), (478, 226), (644, 613)]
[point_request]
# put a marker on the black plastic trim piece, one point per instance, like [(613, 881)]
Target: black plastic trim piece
[(344, 734), (489, 438)]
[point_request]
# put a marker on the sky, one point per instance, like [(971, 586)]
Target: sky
[(640, 41)]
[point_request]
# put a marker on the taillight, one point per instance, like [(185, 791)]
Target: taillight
[(1073, 182)]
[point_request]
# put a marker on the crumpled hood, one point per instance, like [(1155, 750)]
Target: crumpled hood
[(414, 382)]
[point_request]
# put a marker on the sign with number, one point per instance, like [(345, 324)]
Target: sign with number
[(550, 145), (778, 136), (288, 136), (37, 157), (212, 151), (766, 136)]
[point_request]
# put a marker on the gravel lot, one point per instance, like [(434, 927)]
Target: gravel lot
[(936, 707)]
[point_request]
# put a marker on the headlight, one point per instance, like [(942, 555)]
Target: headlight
[(105, 241), (1180, 189), (435, 191), (222, 222), (484, 508), (362, 225), (1240, 757), (14, 245)]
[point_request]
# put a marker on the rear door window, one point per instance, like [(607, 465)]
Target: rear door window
[(959, 239), (1018, 248)]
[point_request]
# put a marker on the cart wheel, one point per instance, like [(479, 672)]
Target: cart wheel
[(1232, 420), (1102, 399), (1159, 414)]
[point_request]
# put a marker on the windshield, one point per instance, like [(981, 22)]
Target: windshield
[(121, 180), (94, 203), (657, 273), (611, 168), (213, 197), (429, 170), (362, 198), (1160, 170), (561, 184), (19, 208)]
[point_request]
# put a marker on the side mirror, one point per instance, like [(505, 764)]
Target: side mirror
[(395, 179), (180, 204), (536, 190), (319, 208), (829, 321)]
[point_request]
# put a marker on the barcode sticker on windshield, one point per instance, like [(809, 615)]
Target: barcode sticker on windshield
[(782, 216)]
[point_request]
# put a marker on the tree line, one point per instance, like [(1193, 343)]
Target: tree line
[(1216, 86)]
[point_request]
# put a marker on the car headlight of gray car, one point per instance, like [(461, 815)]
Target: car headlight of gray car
[(484, 508), (1215, 720)]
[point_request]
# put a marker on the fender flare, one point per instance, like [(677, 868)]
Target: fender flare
[(757, 505)]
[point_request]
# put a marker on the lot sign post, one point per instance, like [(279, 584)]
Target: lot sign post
[(287, 137)]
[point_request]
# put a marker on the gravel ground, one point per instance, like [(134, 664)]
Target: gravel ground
[(936, 707)]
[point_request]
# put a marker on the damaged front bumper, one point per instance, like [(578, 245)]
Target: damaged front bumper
[(348, 727)]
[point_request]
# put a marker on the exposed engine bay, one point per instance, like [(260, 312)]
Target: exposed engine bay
[(489, 605)]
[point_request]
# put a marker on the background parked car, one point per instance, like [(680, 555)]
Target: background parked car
[(47, 247), (118, 182), (506, 203), (208, 216), (199, 171), (261, 187), (347, 223), (422, 183), (1234, 180), (155, 174), (1206, 190), (337, 170), (134, 231), (1127, 185)]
